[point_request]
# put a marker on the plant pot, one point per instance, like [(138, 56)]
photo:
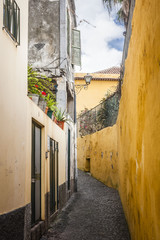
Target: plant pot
[(34, 97), (42, 104), (46, 110), (59, 123), (49, 113)]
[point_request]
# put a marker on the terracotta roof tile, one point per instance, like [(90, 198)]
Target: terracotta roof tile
[(112, 70)]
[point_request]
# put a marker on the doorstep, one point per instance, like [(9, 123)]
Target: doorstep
[(38, 230)]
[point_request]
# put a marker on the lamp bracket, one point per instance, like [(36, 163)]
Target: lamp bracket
[(79, 87)]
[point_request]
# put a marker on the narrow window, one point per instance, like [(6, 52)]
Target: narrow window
[(76, 47), (11, 19), (68, 34)]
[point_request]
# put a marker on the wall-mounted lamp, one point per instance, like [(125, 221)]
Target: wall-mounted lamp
[(79, 87)]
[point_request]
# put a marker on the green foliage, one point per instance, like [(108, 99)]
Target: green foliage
[(60, 116), (33, 81), (87, 122), (107, 115), (43, 86), (51, 103), (83, 112), (103, 115), (120, 15), (110, 3)]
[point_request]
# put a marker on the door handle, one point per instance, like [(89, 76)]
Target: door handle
[(33, 180)]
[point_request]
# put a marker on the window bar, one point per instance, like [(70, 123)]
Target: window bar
[(19, 25), (9, 14), (11, 19)]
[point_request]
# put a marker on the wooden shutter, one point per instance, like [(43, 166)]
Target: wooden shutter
[(76, 47)]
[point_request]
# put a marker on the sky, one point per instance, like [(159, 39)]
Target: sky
[(102, 39)]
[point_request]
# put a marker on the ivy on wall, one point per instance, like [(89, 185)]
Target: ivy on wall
[(102, 116)]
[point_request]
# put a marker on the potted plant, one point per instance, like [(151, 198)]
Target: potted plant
[(33, 91), (40, 88), (60, 118), (51, 104)]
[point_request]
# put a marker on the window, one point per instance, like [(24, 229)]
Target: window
[(11, 19), (68, 34), (76, 47)]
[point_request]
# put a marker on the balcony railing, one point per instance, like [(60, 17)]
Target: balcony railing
[(99, 117)]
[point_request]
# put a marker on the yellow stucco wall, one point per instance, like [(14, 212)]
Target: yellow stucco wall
[(17, 112), (13, 117), (139, 125), (97, 89), (101, 148), (49, 128)]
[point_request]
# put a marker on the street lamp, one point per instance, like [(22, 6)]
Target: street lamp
[(79, 87)]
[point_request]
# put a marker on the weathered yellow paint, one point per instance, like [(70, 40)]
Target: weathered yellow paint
[(9, 201), (90, 97), (49, 128), (138, 128), (13, 120), (17, 112), (101, 148), (139, 125)]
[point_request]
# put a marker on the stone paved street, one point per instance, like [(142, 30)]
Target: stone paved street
[(93, 213)]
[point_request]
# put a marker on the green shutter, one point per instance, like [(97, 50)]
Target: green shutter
[(76, 47), (68, 34)]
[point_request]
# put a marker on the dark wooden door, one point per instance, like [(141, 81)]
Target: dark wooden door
[(57, 169), (36, 173), (52, 176), (69, 157), (54, 194)]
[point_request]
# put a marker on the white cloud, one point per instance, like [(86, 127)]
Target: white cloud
[(96, 53)]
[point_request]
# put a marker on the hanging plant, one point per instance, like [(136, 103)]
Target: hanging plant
[(42, 86)]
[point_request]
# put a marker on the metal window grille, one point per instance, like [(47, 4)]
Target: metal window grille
[(11, 19), (99, 117)]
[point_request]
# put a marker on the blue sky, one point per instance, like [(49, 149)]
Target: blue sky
[(116, 43), (101, 38)]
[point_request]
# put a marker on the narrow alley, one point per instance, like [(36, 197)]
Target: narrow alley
[(93, 213), (80, 120)]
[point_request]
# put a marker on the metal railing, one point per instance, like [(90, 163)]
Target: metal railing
[(99, 117)]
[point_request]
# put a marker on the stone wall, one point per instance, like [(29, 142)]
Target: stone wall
[(44, 34)]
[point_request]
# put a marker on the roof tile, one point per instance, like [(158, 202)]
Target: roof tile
[(112, 70)]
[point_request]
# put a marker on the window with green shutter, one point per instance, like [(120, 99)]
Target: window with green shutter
[(11, 19), (76, 47), (68, 34)]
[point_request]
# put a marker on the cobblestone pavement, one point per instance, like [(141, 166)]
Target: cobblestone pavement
[(93, 213)]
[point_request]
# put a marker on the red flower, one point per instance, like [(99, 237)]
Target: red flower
[(43, 93), (36, 86)]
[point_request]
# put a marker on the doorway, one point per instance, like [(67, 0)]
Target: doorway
[(36, 174), (53, 176), (87, 166), (69, 158)]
